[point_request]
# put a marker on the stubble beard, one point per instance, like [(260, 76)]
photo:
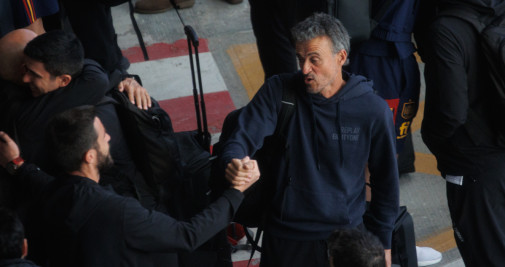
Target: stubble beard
[(105, 161)]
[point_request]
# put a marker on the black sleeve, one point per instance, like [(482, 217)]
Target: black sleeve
[(34, 180), (446, 75), (153, 231)]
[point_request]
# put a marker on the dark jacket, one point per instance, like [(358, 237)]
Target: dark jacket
[(32, 113), (17, 263), (330, 143), (456, 76), (88, 225)]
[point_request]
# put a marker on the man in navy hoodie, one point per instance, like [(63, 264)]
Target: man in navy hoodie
[(338, 128)]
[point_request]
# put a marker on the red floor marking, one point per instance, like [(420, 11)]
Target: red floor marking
[(183, 115), (163, 50), (254, 263)]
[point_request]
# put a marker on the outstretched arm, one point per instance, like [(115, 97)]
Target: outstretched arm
[(34, 180), (156, 232), (8, 149)]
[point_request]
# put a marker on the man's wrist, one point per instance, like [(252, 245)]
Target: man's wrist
[(13, 166)]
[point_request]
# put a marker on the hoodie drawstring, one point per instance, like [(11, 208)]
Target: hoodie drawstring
[(339, 131), (314, 135)]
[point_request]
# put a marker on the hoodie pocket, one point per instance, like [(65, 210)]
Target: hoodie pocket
[(301, 205)]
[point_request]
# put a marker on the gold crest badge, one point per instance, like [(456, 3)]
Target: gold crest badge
[(409, 110)]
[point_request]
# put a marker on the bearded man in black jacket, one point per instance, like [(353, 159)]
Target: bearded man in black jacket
[(90, 225)]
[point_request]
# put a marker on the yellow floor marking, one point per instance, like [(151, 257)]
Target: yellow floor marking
[(426, 163), (442, 242), (248, 66), (416, 123), (418, 58)]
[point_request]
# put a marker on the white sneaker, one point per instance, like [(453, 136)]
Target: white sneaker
[(427, 256)]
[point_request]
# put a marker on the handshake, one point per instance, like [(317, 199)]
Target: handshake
[(242, 173)]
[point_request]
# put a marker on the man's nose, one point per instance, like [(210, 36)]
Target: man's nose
[(306, 67)]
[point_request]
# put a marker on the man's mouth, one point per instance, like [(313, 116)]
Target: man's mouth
[(309, 78)]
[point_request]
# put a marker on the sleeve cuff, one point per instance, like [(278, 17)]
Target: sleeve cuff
[(235, 198), (27, 168), (385, 238)]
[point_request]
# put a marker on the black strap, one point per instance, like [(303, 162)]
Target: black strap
[(287, 110), (288, 107), (137, 31)]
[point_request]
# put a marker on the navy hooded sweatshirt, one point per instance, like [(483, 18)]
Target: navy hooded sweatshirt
[(330, 143)]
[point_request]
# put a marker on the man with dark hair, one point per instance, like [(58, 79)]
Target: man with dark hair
[(13, 245), (60, 78), (67, 152), (338, 127), (89, 225), (60, 53), (53, 89), (355, 248)]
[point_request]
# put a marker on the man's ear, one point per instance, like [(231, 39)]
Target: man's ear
[(341, 57), (24, 249), (64, 79), (90, 156)]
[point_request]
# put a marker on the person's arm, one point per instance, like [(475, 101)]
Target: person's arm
[(383, 178), (137, 94), (256, 121), (446, 80), (33, 179), (94, 83), (408, 103), (156, 232), (387, 256)]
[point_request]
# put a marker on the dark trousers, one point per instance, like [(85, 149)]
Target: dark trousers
[(272, 22), (478, 213), (279, 252), (91, 21)]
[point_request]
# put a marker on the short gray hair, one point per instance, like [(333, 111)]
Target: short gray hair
[(320, 24)]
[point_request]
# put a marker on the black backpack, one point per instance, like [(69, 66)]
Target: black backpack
[(492, 41), (174, 165)]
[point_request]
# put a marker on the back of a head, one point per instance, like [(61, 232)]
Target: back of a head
[(321, 24), (12, 235), (11, 54), (355, 248), (60, 52), (70, 135)]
